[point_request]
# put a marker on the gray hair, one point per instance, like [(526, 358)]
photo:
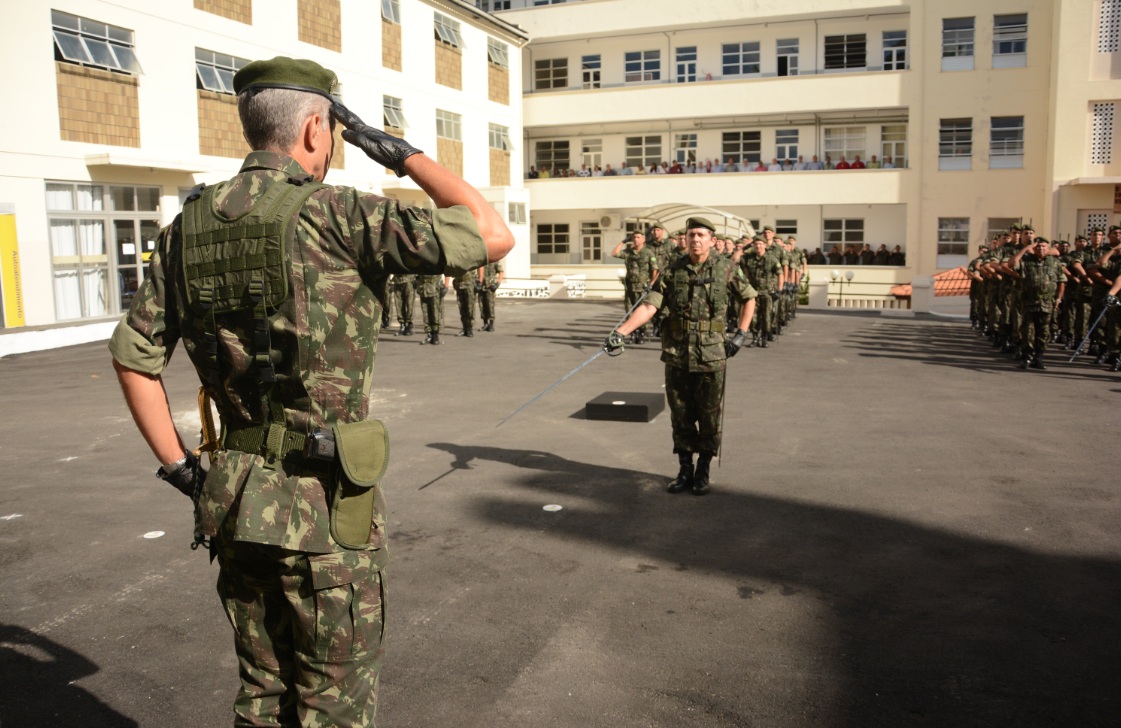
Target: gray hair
[(271, 118)]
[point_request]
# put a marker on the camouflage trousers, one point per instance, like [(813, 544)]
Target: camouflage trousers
[(465, 297), (433, 309), (486, 305), (1035, 330), (308, 630), (1082, 321), (631, 294), (402, 295), (761, 321), (696, 400)]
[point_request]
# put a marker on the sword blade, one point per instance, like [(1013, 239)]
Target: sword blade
[(551, 387)]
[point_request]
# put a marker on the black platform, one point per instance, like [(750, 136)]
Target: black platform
[(626, 406)]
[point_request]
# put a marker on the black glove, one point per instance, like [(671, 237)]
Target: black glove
[(479, 287), (613, 344), (732, 345), (385, 149), (493, 286), (1111, 301), (443, 290), (773, 293), (186, 475)]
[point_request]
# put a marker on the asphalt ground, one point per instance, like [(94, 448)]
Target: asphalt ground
[(904, 530)]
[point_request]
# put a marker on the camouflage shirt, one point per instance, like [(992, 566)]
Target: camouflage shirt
[(695, 298), (1041, 279), (641, 265), (339, 247), (490, 273), (762, 271)]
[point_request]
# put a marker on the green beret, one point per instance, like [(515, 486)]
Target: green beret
[(657, 226), (291, 73), (1114, 227), (1096, 229), (699, 222), (1041, 239), (768, 227), (1027, 227), (680, 231)]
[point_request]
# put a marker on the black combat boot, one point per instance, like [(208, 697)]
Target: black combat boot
[(467, 330), (684, 479), (408, 328), (700, 476), (1024, 362), (432, 337), (1037, 363), (489, 325)]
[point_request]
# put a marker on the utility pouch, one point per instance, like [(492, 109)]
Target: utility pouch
[(363, 454)]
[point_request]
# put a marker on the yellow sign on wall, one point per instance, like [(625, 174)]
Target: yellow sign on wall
[(9, 273)]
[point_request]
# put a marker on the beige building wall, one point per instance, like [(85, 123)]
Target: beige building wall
[(320, 23), (390, 45), (449, 66), (239, 10), (97, 106), (220, 132)]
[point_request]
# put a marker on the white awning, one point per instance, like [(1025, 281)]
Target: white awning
[(673, 215)]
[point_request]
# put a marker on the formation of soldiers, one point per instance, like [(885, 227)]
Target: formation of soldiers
[(474, 289), (1027, 292), (775, 268)]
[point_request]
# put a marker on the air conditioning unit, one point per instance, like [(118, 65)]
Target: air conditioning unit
[(610, 222)]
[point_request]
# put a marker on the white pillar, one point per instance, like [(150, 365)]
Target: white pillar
[(819, 293), (922, 294)]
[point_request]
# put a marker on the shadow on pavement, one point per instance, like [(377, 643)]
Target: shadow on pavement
[(935, 627), (960, 347), (38, 677)]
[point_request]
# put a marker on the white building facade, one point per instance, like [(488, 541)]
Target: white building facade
[(124, 106), (991, 113)]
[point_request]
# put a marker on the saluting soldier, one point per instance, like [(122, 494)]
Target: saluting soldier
[(695, 292), (641, 271), (284, 343), (1041, 278)]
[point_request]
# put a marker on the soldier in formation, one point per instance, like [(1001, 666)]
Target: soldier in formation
[(490, 278), (465, 287), (402, 290), (641, 272), (432, 291)]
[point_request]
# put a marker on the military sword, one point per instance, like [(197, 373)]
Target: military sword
[(593, 357)]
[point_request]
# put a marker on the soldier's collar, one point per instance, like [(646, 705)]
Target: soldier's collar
[(275, 161)]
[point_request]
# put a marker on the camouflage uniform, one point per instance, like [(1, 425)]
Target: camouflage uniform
[(486, 296), (465, 286), (431, 302), (1039, 286), (403, 290), (307, 611), (641, 267), (762, 272), (976, 297), (695, 297)]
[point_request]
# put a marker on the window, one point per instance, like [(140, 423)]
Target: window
[(552, 155), (755, 225), (1006, 142), (787, 51), (893, 144), (392, 113), (590, 66), (685, 148), (740, 145), (550, 73), (493, 6), (449, 125), (498, 53), (591, 242), (101, 239), (500, 137), (1109, 26), (846, 51), (786, 227), (215, 71), (591, 153), (642, 66), (1101, 138), (953, 236), (517, 213), (552, 239), (447, 31), (391, 11), (843, 231), (740, 59), (786, 144), (644, 150), (90, 43), (1010, 40), (687, 64), (895, 50), (957, 44), (844, 141), (955, 144), (998, 225)]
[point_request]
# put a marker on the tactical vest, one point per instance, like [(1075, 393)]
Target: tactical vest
[(236, 266), (713, 288)]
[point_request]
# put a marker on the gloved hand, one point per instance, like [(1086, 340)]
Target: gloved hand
[(443, 290), (493, 286), (187, 476), (1111, 301), (773, 293), (613, 344), (479, 288), (385, 149), (733, 344)]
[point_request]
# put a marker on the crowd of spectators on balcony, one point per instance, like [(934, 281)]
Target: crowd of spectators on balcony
[(857, 255), (710, 166)]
